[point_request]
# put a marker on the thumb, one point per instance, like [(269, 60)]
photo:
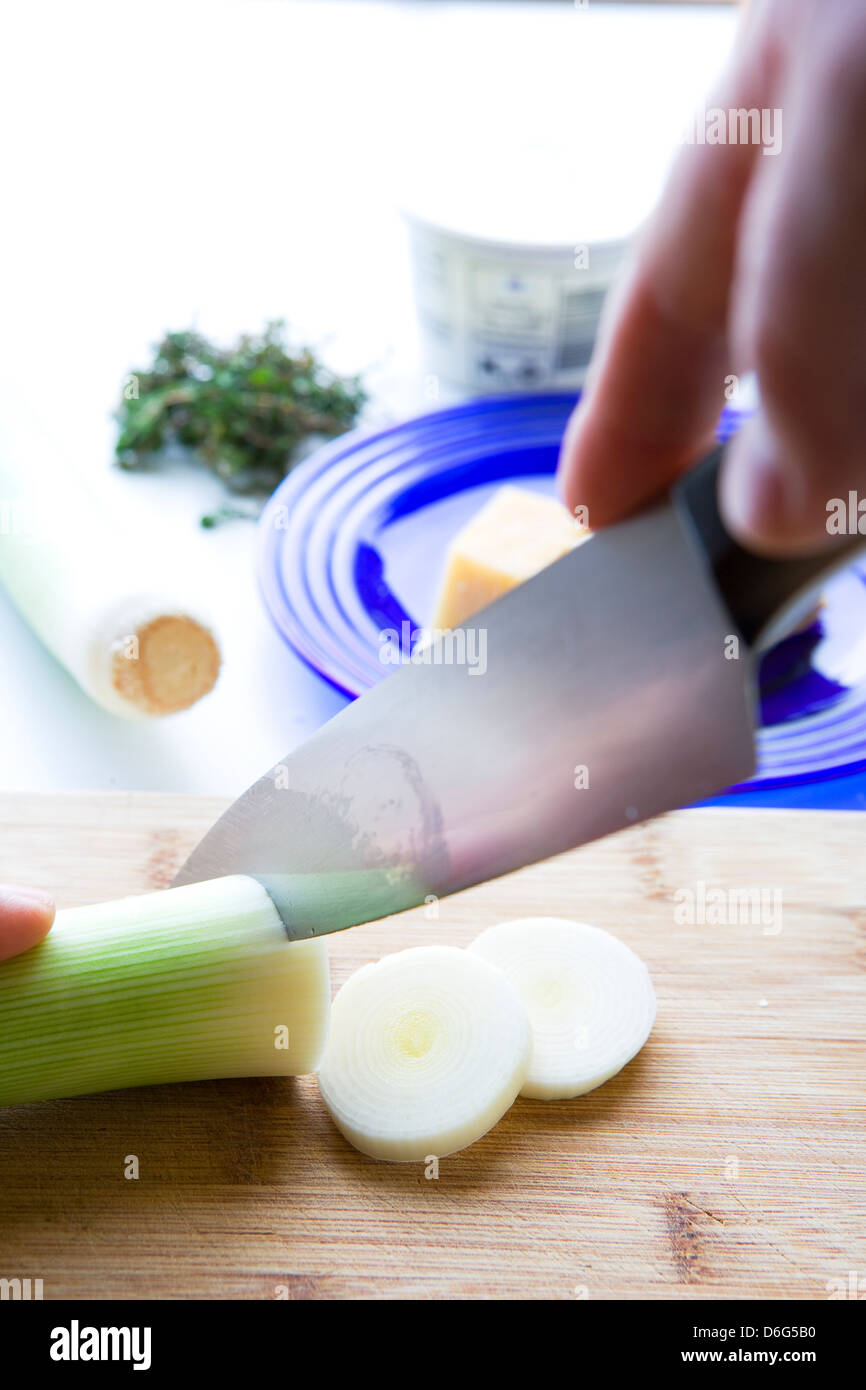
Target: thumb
[(26, 915)]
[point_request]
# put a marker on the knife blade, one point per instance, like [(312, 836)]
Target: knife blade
[(616, 684)]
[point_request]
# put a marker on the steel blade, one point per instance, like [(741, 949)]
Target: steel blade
[(599, 693)]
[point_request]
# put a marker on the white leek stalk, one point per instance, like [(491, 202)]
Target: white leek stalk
[(428, 1049), (187, 984), (589, 998), (94, 592)]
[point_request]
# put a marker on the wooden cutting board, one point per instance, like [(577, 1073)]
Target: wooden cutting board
[(727, 1161)]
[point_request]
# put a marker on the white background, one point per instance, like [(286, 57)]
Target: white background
[(219, 164)]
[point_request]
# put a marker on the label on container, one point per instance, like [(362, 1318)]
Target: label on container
[(493, 319)]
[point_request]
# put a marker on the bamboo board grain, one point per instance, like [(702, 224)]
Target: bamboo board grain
[(728, 1160)]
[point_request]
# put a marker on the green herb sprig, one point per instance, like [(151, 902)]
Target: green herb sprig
[(243, 411)]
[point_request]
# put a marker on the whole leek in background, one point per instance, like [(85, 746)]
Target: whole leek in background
[(96, 591)]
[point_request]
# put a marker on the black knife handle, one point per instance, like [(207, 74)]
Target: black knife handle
[(755, 588)]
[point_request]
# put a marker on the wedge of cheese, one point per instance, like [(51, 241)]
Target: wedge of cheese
[(513, 536)]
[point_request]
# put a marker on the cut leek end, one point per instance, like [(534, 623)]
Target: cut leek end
[(589, 998), (191, 984), (165, 665), (428, 1049)]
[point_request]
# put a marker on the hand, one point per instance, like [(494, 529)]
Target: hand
[(751, 262), (25, 917)]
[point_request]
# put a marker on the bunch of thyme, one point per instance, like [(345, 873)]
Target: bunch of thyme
[(243, 411)]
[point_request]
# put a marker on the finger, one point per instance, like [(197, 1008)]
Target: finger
[(26, 916), (656, 386), (799, 313)]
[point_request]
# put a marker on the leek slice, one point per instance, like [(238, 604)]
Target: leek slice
[(428, 1049), (589, 998)]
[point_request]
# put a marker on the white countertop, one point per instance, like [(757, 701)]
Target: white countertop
[(219, 164)]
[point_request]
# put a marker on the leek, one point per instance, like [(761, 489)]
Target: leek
[(188, 984), (589, 998), (93, 590), (428, 1049)]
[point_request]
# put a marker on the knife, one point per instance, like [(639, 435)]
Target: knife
[(618, 683)]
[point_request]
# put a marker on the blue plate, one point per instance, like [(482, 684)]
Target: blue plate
[(353, 542)]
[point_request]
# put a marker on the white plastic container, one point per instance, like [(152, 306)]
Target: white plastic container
[(512, 257)]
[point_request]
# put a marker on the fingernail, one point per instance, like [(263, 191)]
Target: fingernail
[(11, 893), (567, 452), (752, 492), (763, 502)]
